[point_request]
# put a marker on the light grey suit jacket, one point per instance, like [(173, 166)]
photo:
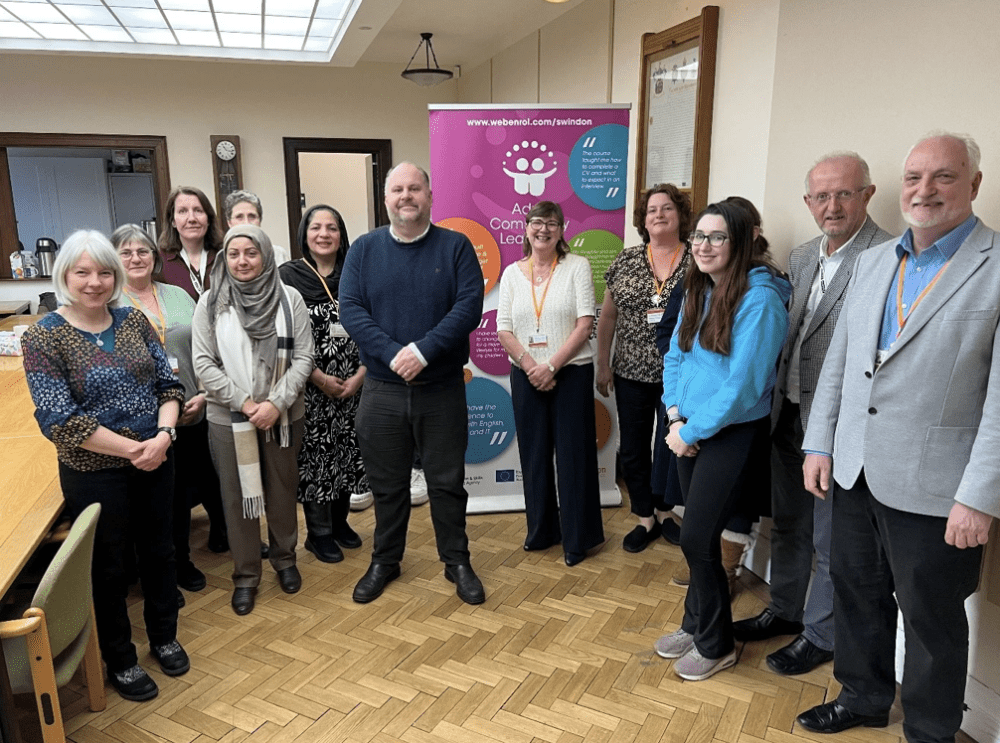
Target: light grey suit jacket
[(803, 264), (926, 426)]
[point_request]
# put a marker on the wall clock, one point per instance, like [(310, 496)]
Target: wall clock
[(227, 167)]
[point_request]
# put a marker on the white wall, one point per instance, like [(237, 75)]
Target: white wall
[(188, 101)]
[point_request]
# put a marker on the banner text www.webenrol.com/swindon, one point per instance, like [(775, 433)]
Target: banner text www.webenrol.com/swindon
[(529, 122)]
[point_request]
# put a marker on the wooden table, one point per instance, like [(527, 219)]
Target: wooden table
[(30, 497), (17, 307)]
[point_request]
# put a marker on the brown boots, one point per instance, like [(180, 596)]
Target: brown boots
[(733, 547)]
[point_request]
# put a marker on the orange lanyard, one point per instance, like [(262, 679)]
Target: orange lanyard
[(159, 323), (538, 306), (658, 285), (900, 319)]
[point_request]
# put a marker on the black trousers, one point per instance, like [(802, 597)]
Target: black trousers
[(559, 422), (135, 508), (713, 482), (195, 481), (393, 421), (877, 552), (638, 404)]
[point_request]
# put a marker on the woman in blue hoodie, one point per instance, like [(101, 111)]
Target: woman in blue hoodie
[(717, 383)]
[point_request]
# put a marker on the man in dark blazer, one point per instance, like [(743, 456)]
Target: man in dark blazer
[(838, 190), (908, 405)]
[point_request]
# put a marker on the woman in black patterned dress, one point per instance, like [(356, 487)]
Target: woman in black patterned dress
[(330, 465)]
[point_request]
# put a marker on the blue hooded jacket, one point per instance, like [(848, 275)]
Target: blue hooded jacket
[(714, 391)]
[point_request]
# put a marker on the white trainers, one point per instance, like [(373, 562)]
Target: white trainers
[(695, 667), (361, 501), (674, 645), (418, 488)]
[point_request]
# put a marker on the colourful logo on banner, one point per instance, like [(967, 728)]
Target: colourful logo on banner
[(491, 420), (485, 245), (485, 349)]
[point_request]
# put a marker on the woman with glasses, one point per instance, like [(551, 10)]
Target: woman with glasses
[(544, 320), (170, 310), (717, 384), (640, 284)]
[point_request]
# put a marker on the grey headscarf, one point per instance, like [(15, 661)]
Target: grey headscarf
[(256, 303)]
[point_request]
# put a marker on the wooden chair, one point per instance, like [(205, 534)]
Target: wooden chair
[(57, 631)]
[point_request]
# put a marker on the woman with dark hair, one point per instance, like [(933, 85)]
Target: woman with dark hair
[(544, 319), (253, 352), (330, 465), (717, 384), (170, 310), (190, 240), (640, 282), (107, 398)]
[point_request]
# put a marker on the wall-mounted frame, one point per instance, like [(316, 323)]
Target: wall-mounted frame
[(676, 98)]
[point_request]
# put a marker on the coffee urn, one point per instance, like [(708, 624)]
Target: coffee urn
[(45, 252)]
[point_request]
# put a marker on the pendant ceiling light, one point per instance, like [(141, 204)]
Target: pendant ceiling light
[(426, 75)]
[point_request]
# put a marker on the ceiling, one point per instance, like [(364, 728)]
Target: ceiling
[(337, 32)]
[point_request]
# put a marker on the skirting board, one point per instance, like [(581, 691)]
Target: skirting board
[(981, 721)]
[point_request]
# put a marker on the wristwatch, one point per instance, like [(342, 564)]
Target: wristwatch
[(551, 368), (172, 432), (677, 418)]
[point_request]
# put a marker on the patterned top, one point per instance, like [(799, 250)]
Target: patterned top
[(632, 285), (77, 386)]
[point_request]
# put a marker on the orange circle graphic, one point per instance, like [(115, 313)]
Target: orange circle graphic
[(486, 247)]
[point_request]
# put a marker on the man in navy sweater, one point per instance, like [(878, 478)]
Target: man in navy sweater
[(410, 295)]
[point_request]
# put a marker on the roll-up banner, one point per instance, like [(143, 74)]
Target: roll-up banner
[(489, 166)]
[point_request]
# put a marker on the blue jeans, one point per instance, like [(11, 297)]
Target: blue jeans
[(394, 420)]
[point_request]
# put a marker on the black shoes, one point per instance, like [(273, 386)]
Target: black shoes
[(243, 600), (346, 537), (290, 580), (764, 626), (373, 582), (574, 558), (190, 578), (265, 551), (467, 584), (833, 717), (218, 540), (639, 538), (180, 599), (670, 530), (799, 656), (134, 684), (172, 658), (325, 548)]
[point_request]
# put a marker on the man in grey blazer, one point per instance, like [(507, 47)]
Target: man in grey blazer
[(908, 405), (838, 190)]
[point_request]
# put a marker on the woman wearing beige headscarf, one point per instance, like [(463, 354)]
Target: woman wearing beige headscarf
[(253, 351)]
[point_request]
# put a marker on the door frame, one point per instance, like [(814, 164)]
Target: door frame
[(157, 145), (379, 149)]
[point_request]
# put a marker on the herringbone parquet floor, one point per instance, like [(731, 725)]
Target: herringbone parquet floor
[(556, 654)]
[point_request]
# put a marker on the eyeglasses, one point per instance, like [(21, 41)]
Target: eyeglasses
[(715, 239), (141, 253), (822, 198), (539, 223)]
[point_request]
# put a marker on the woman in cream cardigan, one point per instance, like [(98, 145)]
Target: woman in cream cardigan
[(253, 352)]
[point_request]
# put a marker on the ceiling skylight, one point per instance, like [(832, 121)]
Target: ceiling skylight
[(286, 30)]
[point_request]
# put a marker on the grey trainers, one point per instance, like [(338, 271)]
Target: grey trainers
[(674, 645), (695, 667)]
